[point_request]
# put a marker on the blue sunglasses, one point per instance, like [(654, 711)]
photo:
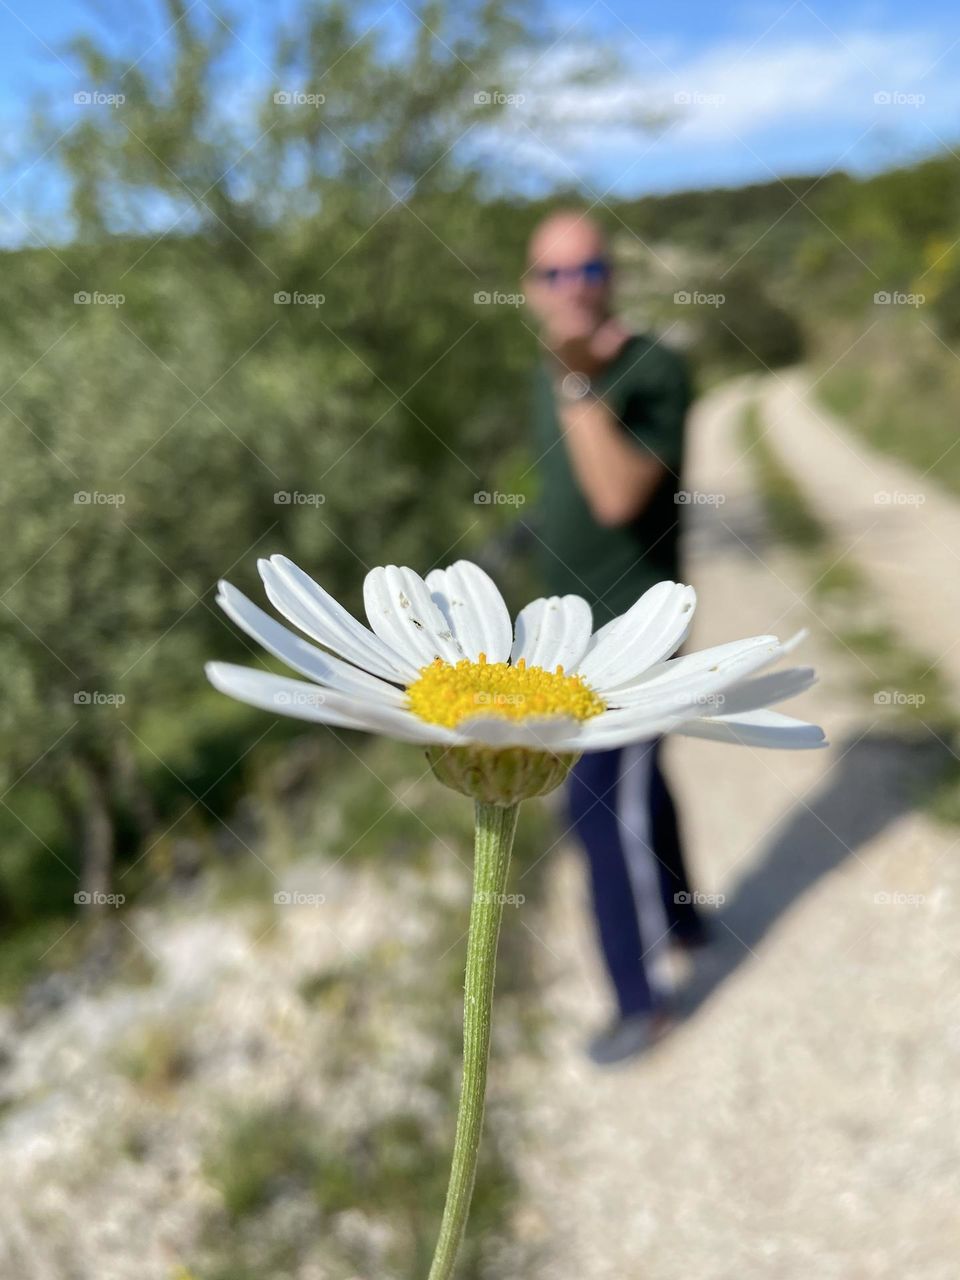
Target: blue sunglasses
[(596, 271)]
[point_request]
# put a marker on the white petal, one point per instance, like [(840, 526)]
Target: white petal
[(648, 632), (598, 635), (686, 691), (400, 610), (305, 603), (474, 610), (303, 701), (797, 638), (675, 696), (302, 656), (538, 733), (765, 691), (617, 728), (552, 630), (696, 676), (757, 729)]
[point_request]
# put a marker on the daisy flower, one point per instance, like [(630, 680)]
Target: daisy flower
[(440, 664), (503, 711)]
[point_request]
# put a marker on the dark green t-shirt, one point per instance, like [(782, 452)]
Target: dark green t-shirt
[(648, 388)]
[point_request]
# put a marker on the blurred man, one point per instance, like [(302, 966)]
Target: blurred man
[(609, 417)]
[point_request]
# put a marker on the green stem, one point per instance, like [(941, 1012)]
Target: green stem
[(495, 827)]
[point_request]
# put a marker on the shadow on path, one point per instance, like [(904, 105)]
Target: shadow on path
[(878, 779)]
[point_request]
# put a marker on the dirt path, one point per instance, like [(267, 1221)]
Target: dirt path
[(902, 528), (804, 1120)]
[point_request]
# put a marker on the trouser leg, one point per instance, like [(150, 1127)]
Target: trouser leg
[(675, 884), (599, 784)]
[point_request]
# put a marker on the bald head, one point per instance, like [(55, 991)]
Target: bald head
[(567, 281), (566, 238)]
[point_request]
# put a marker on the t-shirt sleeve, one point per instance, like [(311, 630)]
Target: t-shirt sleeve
[(655, 404)]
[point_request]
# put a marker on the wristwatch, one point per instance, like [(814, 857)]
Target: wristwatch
[(574, 387)]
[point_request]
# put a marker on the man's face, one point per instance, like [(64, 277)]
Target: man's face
[(568, 279)]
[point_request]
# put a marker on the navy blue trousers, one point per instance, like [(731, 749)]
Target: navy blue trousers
[(625, 818)]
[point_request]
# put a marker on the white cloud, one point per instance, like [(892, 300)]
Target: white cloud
[(821, 84)]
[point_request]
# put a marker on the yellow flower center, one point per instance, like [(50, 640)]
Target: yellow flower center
[(447, 694)]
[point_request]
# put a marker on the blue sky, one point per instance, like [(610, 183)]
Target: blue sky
[(704, 94)]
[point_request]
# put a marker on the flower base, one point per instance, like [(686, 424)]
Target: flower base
[(500, 775)]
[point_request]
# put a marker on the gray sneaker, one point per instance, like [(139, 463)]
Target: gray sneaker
[(628, 1038)]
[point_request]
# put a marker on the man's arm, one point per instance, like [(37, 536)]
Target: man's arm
[(617, 477)]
